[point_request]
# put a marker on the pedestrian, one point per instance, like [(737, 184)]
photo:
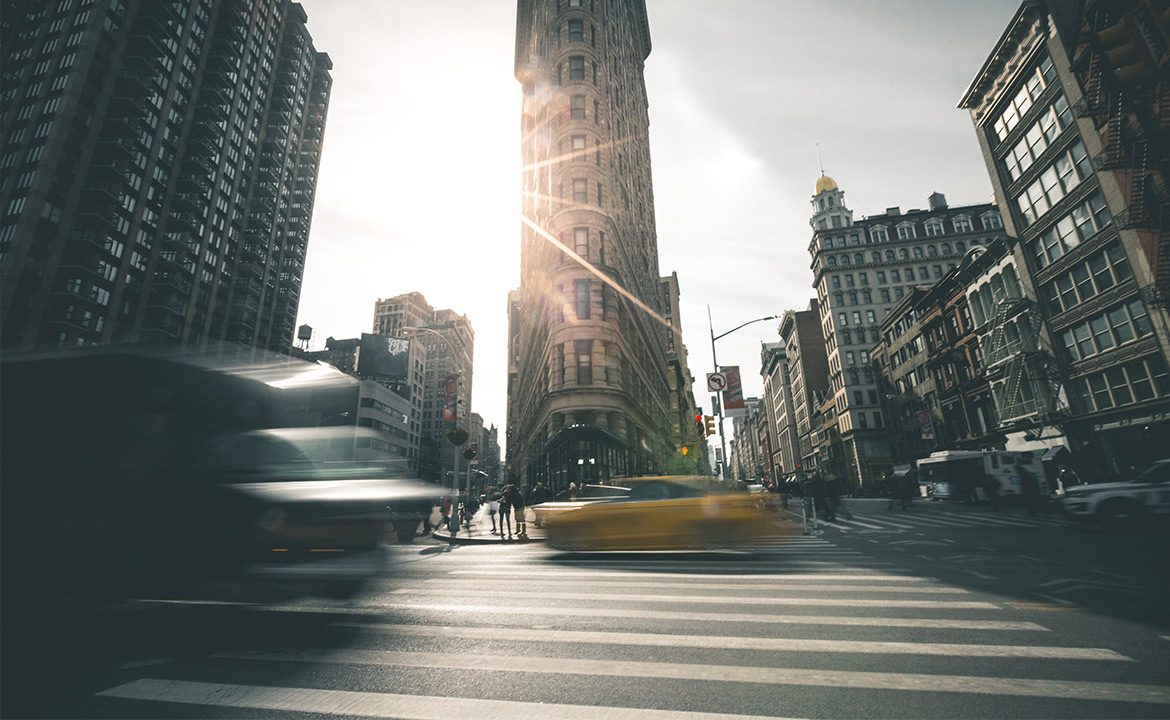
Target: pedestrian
[(516, 500), (538, 496), (426, 508), (836, 500), (505, 513), (1030, 491), (1067, 479), (821, 498), (445, 510), (805, 486), (493, 503), (572, 491)]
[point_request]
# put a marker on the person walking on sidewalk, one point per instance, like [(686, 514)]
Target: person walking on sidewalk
[(516, 501), (505, 514), (493, 503)]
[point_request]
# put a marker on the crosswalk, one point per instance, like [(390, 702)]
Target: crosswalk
[(871, 518), (811, 630)]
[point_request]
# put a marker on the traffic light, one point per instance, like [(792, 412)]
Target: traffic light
[(699, 425), (709, 425), (1127, 52)]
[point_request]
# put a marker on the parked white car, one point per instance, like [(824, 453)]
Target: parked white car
[(1117, 504)]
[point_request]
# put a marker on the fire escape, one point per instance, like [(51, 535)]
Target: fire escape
[(1024, 380), (1122, 62)]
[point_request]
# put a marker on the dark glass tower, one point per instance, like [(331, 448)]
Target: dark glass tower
[(159, 162)]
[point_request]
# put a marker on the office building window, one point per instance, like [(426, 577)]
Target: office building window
[(576, 31), (577, 107), (581, 241), (578, 142), (576, 67), (584, 301), (961, 223), (1085, 220), (584, 350), (580, 190)]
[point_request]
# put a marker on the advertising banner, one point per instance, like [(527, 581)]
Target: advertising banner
[(383, 357), (733, 404), (450, 395)]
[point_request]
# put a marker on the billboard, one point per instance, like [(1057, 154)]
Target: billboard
[(383, 357), (450, 399), (733, 404)]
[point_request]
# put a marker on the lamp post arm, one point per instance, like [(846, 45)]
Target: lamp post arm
[(749, 322)]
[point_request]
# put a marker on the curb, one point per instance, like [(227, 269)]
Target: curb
[(469, 539)]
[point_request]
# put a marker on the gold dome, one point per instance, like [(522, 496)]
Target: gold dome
[(824, 182)]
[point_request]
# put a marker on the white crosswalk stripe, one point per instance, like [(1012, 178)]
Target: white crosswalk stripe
[(929, 517), (534, 624)]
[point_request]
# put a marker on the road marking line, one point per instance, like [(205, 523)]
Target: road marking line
[(1045, 606), (929, 589), (706, 600), (925, 682), (383, 705), (709, 642), (885, 577), (764, 618)]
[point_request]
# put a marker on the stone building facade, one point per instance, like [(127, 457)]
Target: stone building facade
[(861, 269), (589, 394)]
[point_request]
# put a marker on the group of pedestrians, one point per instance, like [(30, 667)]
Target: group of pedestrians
[(510, 503), (822, 499)]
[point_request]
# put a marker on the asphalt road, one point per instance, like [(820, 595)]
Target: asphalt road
[(936, 611)]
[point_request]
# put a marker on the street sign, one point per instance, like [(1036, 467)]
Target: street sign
[(716, 381)]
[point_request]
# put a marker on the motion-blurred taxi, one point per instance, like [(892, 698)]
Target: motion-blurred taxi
[(660, 513)]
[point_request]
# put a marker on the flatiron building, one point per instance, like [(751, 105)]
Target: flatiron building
[(588, 390)]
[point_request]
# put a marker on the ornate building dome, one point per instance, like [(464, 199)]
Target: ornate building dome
[(824, 182)]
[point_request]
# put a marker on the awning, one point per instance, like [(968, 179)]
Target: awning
[(1052, 452)]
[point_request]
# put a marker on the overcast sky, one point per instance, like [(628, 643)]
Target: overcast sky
[(419, 187)]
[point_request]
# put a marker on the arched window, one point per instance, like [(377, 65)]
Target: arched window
[(946, 248), (831, 261), (917, 252), (852, 297), (902, 254), (931, 251), (858, 259), (876, 257), (960, 248), (844, 259)]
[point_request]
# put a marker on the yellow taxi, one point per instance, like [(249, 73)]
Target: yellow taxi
[(661, 513)]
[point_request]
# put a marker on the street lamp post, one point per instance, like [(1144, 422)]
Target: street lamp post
[(715, 362)]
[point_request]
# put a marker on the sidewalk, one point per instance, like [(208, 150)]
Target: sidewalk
[(481, 531)]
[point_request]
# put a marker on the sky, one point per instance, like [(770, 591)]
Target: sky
[(419, 185)]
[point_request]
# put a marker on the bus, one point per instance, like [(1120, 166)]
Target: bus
[(974, 475)]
